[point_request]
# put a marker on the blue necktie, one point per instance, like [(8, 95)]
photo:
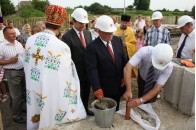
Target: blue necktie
[(149, 80), (181, 47)]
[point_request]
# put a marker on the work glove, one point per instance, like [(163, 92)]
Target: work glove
[(187, 63), (98, 94)]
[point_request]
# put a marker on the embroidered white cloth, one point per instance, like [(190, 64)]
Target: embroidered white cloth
[(53, 89)]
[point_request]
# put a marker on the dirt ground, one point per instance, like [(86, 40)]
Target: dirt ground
[(6, 111)]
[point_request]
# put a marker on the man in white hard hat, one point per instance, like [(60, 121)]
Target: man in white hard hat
[(186, 43), (155, 67), (105, 60), (157, 33), (77, 39)]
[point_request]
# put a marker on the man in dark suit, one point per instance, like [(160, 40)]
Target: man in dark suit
[(77, 38), (105, 60)]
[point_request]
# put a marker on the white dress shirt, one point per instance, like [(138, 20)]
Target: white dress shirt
[(141, 24), (110, 44), (189, 45), (1, 36), (143, 58), (17, 32), (78, 33), (94, 34), (8, 50)]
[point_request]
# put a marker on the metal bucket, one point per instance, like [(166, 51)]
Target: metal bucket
[(105, 118)]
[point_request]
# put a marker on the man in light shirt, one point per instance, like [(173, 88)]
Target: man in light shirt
[(115, 20), (11, 24), (157, 33), (11, 58), (186, 44), (1, 29), (155, 67), (139, 23)]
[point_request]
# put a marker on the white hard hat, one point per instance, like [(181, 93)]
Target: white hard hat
[(105, 24), (183, 20), (162, 56), (80, 15), (157, 15)]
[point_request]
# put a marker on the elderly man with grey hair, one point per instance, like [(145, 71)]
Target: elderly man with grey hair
[(186, 44), (157, 33)]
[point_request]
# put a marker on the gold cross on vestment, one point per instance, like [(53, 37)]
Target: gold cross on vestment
[(123, 36), (37, 56)]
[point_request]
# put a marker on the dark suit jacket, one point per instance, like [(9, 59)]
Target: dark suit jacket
[(102, 71), (77, 50)]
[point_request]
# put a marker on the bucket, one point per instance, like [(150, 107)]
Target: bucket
[(105, 118)]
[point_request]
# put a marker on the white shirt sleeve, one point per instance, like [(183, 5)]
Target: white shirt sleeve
[(136, 59), (1, 52), (136, 21), (165, 75)]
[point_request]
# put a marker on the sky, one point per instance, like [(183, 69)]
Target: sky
[(155, 4)]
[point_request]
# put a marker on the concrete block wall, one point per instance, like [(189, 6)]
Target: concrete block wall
[(173, 85), (187, 95), (179, 90)]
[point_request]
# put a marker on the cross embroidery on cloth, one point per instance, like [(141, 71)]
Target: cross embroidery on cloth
[(37, 56)]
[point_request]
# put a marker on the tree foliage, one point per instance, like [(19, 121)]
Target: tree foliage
[(7, 7), (40, 5), (30, 12), (176, 10), (193, 11), (97, 8), (141, 4), (130, 7), (164, 10)]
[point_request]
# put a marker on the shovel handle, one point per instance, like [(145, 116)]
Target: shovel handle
[(127, 115)]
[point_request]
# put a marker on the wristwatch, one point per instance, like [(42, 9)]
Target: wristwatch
[(141, 100)]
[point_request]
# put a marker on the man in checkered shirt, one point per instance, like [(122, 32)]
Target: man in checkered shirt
[(157, 33)]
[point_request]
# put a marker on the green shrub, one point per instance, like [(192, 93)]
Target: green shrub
[(26, 13)]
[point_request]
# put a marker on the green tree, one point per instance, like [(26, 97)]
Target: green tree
[(80, 6), (40, 5), (130, 7), (164, 10), (30, 12), (97, 8), (193, 11), (176, 10), (7, 7), (141, 4)]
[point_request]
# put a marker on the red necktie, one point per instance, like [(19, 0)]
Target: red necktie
[(110, 51), (82, 40)]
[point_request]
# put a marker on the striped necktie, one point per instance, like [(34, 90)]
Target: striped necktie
[(149, 80)]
